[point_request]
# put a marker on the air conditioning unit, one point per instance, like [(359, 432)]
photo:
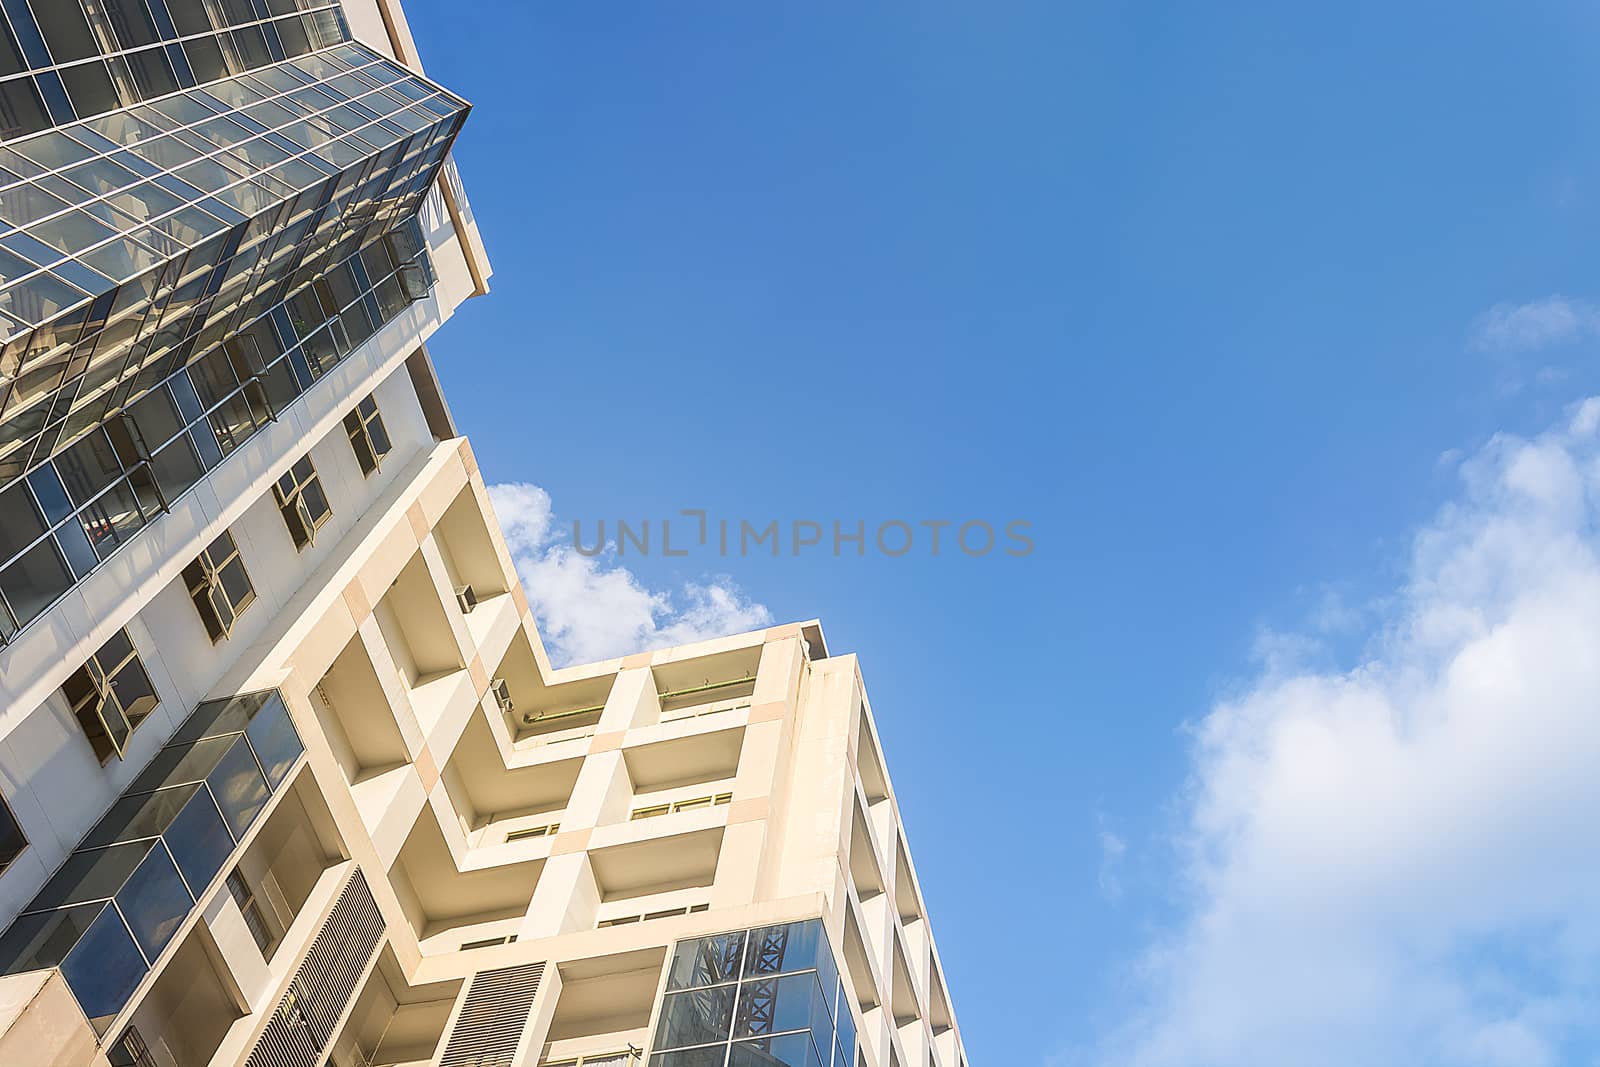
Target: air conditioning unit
[(502, 696), (466, 598)]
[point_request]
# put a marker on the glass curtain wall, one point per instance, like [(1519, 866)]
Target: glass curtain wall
[(62, 60), (122, 894), (755, 998)]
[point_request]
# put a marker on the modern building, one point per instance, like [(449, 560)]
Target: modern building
[(288, 778)]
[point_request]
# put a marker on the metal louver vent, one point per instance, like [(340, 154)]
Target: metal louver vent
[(303, 1023), (492, 1019)]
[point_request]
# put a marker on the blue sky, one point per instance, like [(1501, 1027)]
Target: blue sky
[(1274, 323)]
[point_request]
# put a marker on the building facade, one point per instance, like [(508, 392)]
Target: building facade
[(288, 778)]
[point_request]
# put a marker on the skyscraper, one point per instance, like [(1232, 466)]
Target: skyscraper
[(288, 778)]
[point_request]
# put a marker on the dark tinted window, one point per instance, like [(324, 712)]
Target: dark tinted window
[(33, 582), (89, 86), (65, 29), (154, 902), (131, 21), (21, 108), (104, 968), (11, 61), (199, 841), (20, 523), (11, 840), (189, 16)]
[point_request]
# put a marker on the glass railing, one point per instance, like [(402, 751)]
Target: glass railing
[(121, 896)]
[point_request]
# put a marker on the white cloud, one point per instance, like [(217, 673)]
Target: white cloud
[(1396, 863), (589, 608), (1554, 320), (1113, 849)]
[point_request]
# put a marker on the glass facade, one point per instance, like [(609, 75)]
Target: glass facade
[(177, 270), (755, 998), (132, 244), (119, 898), (74, 510), (62, 60)]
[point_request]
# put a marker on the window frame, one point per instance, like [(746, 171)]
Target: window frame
[(293, 506), (91, 691), (203, 580), (130, 1050), (255, 918), (358, 424)]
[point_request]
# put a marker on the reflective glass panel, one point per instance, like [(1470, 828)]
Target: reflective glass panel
[(789, 947), (34, 581), (20, 522), (706, 961), (845, 1029), (176, 764), (709, 1056), (141, 816), (93, 875), (155, 902), (775, 1005), (215, 718), (274, 739), (238, 786), (199, 841), (44, 939), (695, 1017), (104, 968), (791, 1050)]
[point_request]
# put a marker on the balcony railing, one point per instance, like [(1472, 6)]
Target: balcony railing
[(651, 811), (628, 1057)]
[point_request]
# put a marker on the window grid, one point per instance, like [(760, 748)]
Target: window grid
[(254, 918), (81, 146), (144, 327), (116, 49), (220, 586), (653, 810), (533, 831), (130, 1051), (114, 73), (302, 502), (368, 436), (192, 444), (729, 994), (111, 696), (650, 916)]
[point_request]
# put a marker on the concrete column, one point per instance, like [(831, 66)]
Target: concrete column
[(244, 972), (566, 898), (631, 703), (537, 1032)]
